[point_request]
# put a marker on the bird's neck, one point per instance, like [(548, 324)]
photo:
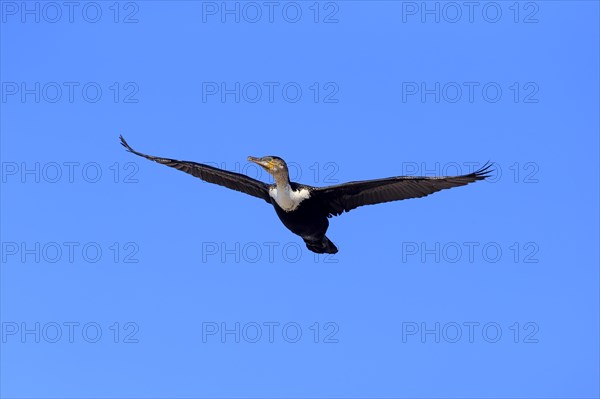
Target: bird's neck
[(287, 198), (282, 180)]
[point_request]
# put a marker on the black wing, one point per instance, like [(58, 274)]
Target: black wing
[(232, 180), (345, 197)]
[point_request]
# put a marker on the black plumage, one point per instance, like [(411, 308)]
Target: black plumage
[(304, 209)]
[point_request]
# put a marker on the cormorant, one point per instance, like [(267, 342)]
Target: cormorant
[(305, 210)]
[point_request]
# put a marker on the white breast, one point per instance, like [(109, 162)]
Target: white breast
[(287, 198)]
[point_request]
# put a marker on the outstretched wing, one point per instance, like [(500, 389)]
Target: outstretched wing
[(345, 197), (232, 180)]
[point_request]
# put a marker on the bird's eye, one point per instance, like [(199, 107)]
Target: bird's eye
[(268, 159)]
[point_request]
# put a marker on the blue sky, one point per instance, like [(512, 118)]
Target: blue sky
[(125, 278)]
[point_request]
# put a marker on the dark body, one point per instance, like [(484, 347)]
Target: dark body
[(309, 220)]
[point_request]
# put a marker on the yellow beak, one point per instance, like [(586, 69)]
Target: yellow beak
[(259, 161)]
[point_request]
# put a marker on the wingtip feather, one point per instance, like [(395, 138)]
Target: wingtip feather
[(124, 144), (485, 171)]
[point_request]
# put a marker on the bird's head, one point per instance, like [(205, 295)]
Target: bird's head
[(272, 164)]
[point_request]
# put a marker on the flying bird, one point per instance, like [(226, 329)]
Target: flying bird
[(304, 209)]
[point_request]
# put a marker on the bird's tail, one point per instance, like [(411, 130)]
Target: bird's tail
[(325, 246)]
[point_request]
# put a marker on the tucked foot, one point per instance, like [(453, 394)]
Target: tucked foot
[(324, 246)]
